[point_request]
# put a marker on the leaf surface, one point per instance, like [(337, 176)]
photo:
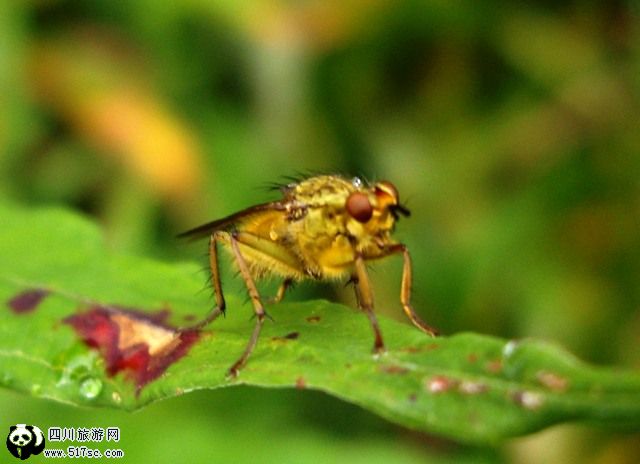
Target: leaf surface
[(63, 293)]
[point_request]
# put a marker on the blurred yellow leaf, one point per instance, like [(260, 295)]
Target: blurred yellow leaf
[(107, 103)]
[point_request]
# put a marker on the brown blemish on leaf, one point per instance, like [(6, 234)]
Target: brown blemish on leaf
[(139, 344), (439, 384), (393, 369), (413, 397), (284, 338), (301, 383), (420, 349), (495, 366), (472, 358), (552, 381), (410, 349), (27, 301), (313, 319)]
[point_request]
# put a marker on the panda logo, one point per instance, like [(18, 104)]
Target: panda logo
[(25, 440)]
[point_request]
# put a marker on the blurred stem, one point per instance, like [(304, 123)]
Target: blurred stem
[(129, 215), (279, 76), (14, 112)]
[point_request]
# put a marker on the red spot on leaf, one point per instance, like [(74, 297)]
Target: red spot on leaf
[(136, 358), (27, 301), (139, 344), (301, 383)]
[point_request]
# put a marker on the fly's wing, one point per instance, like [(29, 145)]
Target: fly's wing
[(229, 222)]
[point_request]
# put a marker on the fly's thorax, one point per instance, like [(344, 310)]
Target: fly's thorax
[(321, 191), (336, 206)]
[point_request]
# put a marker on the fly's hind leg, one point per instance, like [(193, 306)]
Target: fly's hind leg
[(364, 297), (257, 306), (215, 280), (258, 249)]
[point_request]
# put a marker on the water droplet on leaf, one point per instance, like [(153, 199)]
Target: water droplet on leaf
[(90, 388), (79, 375), (510, 348)]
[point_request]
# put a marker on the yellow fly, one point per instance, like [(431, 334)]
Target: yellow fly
[(325, 227)]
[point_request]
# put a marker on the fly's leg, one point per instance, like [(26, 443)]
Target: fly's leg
[(278, 255), (255, 248), (364, 296), (353, 280), (405, 290), (282, 289), (217, 286), (257, 306)]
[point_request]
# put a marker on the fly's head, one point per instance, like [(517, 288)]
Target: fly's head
[(373, 210)]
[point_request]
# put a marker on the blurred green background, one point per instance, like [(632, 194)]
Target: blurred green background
[(511, 131)]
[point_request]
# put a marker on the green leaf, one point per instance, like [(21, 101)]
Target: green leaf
[(472, 388)]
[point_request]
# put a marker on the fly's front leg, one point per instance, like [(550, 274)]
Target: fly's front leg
[(364, 296), (353, 280), (257, 306), (405, 290)]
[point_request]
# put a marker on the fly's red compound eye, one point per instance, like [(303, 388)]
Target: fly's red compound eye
[(359, 207)]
